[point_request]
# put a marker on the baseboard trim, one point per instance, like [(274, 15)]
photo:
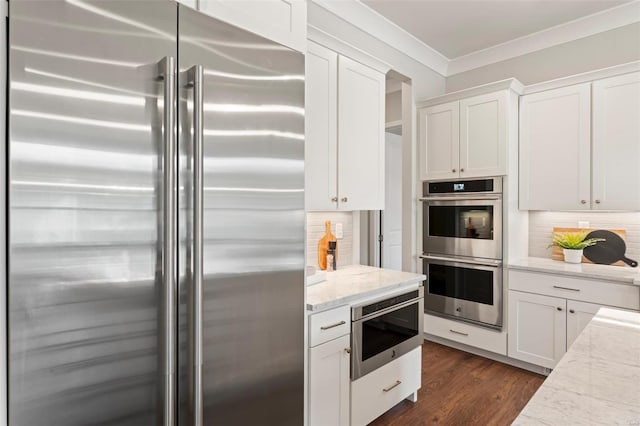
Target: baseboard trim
[(486, 354)]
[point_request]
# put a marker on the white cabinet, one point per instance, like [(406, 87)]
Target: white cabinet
[(344, 150), (283, 21), (616, 143), (329, 367), (537, 328), (329, 383), (555, 138), (465, 138), (546, 312), (468, 334), (563, 165)]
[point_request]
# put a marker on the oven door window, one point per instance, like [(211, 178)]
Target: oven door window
[(388, 330), (461, 221), (461, 283)]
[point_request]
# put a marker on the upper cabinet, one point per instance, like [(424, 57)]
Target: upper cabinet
[(283, 21), (465, 138), (616, 143), (344, 127), (580, 146)]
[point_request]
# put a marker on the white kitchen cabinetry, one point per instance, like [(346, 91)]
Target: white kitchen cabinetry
[(616, 143), (283, 21), (563, 165), (555, 138), (547, 312), (329, 367), (465, 138), (374, 394), (468, 334), (344, 133)]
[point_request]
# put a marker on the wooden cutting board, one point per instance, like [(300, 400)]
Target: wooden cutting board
[(557, 251)]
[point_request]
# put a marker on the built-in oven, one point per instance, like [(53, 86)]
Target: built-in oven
[(385, 329), (466, 289), (463, 218)]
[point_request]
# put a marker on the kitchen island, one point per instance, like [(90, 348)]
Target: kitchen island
[(597, 381)]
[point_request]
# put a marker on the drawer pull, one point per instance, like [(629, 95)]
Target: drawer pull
[(566, 288), (459, 332), (327, 327), (347, 350), (572, 311), (392, 386)]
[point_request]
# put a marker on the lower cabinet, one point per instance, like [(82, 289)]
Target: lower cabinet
[(543, 328), (468, 334), (374, 394), (329, 381)]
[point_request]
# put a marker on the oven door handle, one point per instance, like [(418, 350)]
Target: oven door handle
[(418, 300), (454, 199), (487, 262)]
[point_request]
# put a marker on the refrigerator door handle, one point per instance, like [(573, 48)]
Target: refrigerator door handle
[(168, 332), (195, 79)]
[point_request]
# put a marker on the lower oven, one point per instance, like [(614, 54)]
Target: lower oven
[(385, 329), (464, 289)]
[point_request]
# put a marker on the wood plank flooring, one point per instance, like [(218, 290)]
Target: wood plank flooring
[(459, 388)]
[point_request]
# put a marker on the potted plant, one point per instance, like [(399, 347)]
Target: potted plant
[(573, 243)]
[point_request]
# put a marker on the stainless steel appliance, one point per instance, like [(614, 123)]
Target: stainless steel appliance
[(156, 218), (464, 288), (463, 218), (462, 250), (385, 329)]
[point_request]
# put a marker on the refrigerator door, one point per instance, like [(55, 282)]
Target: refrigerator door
[(89, 273), (253, 227)]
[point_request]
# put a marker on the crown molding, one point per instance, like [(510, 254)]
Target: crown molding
[(506, 84), (605, 20), (382, 29)]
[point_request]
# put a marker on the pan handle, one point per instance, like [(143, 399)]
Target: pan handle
[(629, 262)]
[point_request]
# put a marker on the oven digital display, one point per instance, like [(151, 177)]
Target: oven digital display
[(458, 186)]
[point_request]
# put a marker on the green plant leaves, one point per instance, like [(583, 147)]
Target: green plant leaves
[(574, 240)]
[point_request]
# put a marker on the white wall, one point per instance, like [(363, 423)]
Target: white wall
[(393, 107), (602, 50), (541, 228)]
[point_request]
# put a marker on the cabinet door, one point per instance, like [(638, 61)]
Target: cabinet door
[(616, 143), (555, 139), (283, 21), (537, 328), (329, 383), (578, 316), (440, 141), (321, 143), (483, 135), (360, 136)]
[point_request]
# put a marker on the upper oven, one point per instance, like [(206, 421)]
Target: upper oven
[(463, 218)]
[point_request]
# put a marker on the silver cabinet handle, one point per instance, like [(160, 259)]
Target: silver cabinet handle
[(392, 386), (453, 170), (168, 336), (572, 311), (195, 76), (597, 201), (559, 308), (461, 170), (327, 327), (334, 199), (566, 288), (344, 199), (347, 350), (459, 332), (583, 201)]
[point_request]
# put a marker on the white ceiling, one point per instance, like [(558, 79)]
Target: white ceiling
[(459, 27)]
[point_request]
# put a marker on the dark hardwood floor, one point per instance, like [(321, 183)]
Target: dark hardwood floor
[(459, 388)]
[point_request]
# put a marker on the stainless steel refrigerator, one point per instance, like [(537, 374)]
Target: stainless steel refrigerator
[(156, 218)]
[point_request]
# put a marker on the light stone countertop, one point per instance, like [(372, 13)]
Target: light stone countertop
[(597, 382), (357, 282), (620, 274)]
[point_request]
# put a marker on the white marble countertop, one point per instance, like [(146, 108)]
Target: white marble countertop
[(355, 282), (597, 382), (620, 274)]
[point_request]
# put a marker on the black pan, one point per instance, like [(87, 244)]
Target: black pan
[(609, 251)]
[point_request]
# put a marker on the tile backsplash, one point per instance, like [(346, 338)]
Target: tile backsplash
[(541, 228), (315, 231)]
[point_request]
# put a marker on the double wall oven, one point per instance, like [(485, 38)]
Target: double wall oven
[(462, 250)]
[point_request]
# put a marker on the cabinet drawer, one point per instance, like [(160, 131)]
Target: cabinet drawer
[(584, 290), (478, 337), (378, 391), (328, 325)]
